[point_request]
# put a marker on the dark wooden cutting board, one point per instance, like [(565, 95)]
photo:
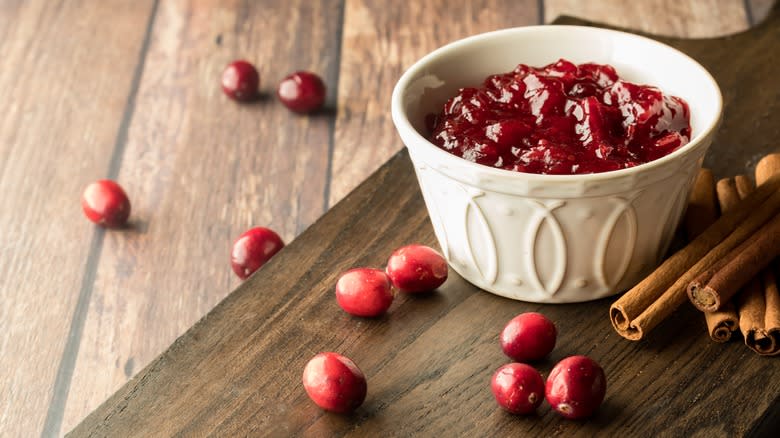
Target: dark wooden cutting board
[(237, 372)]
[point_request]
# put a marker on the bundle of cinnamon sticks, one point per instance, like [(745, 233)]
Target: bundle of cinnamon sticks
[(726, 270)]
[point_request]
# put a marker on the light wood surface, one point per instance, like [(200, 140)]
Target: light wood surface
[(691, 19), (379, 43), (63, 101), (201, 170), (129, 90)]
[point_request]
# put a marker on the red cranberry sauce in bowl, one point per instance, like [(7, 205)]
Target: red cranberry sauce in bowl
[(561, 119)]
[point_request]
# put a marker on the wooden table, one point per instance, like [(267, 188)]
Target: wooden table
[(129, 90)]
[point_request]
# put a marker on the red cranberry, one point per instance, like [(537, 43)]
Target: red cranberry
[(240, 80), (518, 388), (252, 249), (364, 292), (334, 382), (576, 387), (302, 92), (105, 203), (416, 268), (528, 337)]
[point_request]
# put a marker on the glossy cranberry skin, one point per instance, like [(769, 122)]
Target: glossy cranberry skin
[(364, 292), (105, 203), (253, 249), (416, 268), (518, 388), (302, 92), (334, 383), (561, 119), (575, 387), (528, 337), (240, 80)]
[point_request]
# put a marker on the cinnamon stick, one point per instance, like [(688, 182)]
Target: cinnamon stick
[(723, 323), (652, 300), (767, 168), (755, 287), (758, 304), (744, 185), (702, 204), (719, 283), (701, 213), (759, 315)]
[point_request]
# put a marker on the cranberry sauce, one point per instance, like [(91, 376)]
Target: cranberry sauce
[(561, 119)]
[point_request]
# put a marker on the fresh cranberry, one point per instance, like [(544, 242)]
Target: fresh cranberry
[(253, 249), (562, 118), (518, 388), (105, 203), (528, 337), (576, 387), (302, 92), (240, 80), (364, 292), (334, 382), (416, 268)]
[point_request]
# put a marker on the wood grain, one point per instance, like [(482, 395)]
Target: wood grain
[(751, 118), (201, 169), (65, 75), (428, 363), (381, 40), (681, 18)]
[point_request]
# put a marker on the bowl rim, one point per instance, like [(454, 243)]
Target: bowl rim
[(403, 125)]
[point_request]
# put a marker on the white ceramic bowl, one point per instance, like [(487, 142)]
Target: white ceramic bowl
[(553, 238)]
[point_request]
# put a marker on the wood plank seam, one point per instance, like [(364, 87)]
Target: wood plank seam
[(56, 410), (333, 105), (61, 387), (540, 6)]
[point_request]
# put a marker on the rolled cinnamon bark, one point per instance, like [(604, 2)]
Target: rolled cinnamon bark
[(750, 301), (702, 204), (767, 168), (701, 213), (744, 186), (759, 315), (723, 323), (728, 194), (652, 300), (758, 305), (771, 329), (718, 284)]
